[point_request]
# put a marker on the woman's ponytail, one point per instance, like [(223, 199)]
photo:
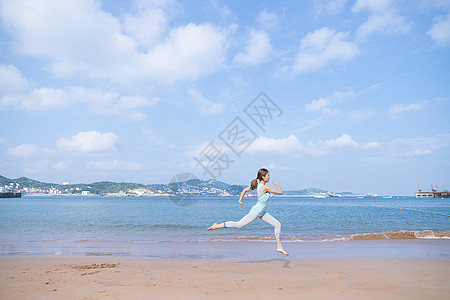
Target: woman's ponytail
[(254, 184), (260, 175)]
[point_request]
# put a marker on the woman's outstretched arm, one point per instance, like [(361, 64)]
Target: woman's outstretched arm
[(242, 195)]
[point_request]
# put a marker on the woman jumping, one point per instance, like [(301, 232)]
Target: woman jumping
[(259, 209)]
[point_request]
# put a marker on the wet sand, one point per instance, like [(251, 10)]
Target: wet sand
[(284, 278), (235, 250)]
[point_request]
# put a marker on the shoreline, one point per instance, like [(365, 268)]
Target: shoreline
[(284, 277), (232, 250)]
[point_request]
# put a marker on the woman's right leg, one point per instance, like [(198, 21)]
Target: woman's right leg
[(277, 225), (247, 219)]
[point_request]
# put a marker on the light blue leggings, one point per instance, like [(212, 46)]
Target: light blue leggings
[(250, 217)]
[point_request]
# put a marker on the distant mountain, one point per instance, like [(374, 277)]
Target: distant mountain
[(308, 191), (235, 189), (209, 187), (205, 183), (24, 182), (345, 193), (102, 187)]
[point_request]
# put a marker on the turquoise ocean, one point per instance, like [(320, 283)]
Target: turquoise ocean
[(76, 225)]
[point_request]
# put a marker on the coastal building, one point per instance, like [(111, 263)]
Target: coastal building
[(433, 194)]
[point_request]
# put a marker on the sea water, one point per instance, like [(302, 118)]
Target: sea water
[(73, 224)]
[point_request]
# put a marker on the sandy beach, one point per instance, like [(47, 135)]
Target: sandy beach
[(285, 278), (105, 248)]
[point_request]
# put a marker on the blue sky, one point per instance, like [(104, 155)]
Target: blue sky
[(140, 91)]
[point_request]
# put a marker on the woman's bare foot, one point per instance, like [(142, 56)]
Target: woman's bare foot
[(213, 226), (282, 251), (280, 247)]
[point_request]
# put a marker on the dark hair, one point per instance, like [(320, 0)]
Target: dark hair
[(261, 173)]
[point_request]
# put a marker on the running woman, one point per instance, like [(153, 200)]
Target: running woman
[(259, 209)]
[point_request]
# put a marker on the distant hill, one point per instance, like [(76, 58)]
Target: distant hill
[(24, 182), (235, 189), (102, 187), (308, 191), (210, 187)]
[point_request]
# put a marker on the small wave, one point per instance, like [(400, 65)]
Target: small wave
[(145, 227), (404, 234), (394, 235), (388, 235), (254, 237), (172, 226), (266, 238)]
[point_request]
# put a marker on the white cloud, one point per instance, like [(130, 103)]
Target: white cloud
[(116, 165), (343, 141), (331, 7), (371, 145), (323, 105), (267, 20), (218, 7), (25, 150), (91, 36), (37, 167), (210, 147), (322, 47), (101, 46), (190, 52), (257, 50), (398, 109), (328, 108), (362, 115), (38, 99), (419, 152), (440, 31), (315, 148), (97, 101), (318, 105), (147, 27), (439, 4), (272, 166), (383, 19), (89, 141), (349, 93), (372, 5), (153, 136), (314, 123), (419, 146), (206, 106), (321, 148), (387, 24), (290, 145), (11, 80), (61, 165), (124, 107)]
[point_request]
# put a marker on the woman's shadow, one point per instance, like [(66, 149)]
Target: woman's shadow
[(285, 261)]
